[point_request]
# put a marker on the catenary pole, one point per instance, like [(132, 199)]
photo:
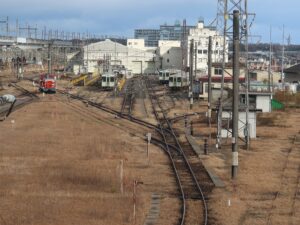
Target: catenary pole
[(191, 73), (209, 78), (235, 103)]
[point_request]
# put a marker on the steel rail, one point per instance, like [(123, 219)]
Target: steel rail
[(152, 97)]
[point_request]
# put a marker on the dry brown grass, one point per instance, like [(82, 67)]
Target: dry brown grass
[(60, 168), (259, 175)]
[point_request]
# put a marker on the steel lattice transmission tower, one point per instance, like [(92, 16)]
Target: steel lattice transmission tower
[(224, 25)]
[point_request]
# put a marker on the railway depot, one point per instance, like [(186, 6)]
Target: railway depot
[(180, 125), (111, 115)]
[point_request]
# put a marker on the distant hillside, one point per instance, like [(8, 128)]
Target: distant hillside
[(276, 47)]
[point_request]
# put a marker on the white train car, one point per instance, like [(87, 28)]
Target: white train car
[(178, 80), (109, 80), (164, 76)]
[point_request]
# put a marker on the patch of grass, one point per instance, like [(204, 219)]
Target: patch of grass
[(267, 119)]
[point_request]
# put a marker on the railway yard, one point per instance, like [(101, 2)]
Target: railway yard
[(80, 156)]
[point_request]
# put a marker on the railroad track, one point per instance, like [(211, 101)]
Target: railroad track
[(27, 98), (129, 98), (189, 187), (178, 152), (155, 140)]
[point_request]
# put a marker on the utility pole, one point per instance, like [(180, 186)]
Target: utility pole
[(191, 73), (65, 60), (282, 60), (135, 184), (184, 47), (270, 90), (209, 79), (209, 85), (223, 13), (87, 55), (17, 28), (196, 52), (121, 176), (235, 103), (7, 27), (5, 22), (49, 58), (247, 82)]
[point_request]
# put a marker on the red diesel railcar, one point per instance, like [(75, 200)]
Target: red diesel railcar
[(47, 83)]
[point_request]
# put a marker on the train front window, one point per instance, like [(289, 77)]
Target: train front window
[(104, 79), (112, 79), (171, 79), (167, 74), (179, 79)]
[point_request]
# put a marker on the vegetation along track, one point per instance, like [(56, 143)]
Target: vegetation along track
[(189, 187)]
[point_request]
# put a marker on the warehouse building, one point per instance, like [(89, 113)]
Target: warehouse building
[(136, 60)]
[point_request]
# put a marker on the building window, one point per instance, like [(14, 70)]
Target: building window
[(168, 52), (218, 71), (204, 51), (168, 60), (199, 51)]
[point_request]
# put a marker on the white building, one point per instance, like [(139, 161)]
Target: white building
[(137, 60), (170, 54), (201, 35), (136, 43)]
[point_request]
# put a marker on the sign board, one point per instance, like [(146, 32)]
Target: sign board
[(149, 137)]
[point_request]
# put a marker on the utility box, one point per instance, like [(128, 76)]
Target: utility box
[(227, 127)]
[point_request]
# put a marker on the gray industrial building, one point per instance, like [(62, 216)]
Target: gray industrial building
[(165, 32), (292, 74)]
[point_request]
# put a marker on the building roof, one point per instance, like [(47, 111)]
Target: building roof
[(294, 69), (106, 46), (109, 46), (227, 106), (216, 79), (228, 65)]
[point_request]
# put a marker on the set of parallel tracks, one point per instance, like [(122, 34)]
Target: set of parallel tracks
[(189, 186), (178, 152), (129, 98), (19, 104)]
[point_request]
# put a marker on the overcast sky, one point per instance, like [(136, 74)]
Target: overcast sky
[(121, 17)]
